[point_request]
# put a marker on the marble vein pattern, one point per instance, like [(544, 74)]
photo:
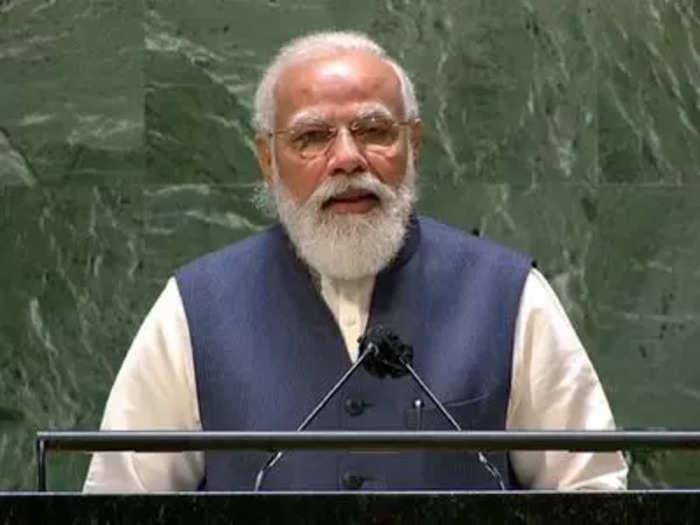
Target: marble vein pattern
[(568, 130)]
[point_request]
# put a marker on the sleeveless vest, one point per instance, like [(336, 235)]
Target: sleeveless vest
[(266, 348)]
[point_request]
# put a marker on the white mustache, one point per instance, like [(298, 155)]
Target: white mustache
[(339, 184)]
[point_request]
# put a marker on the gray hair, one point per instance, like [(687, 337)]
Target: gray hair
[(319, 44)]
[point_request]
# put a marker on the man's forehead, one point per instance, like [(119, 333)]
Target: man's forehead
[(339, 80)]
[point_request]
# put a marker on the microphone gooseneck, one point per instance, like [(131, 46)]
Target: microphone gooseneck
[(382, 353), (392, 357), (277, 455)]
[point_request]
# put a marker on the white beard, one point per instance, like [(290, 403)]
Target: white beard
[(345, 246)]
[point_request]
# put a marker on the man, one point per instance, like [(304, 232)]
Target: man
[(251, 337)]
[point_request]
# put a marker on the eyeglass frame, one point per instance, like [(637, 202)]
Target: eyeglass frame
[(336, 129)]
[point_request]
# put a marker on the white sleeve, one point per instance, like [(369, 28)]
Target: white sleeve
[(154, 390), (555, 387)]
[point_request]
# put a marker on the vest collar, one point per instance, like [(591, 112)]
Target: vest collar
[(409, 246)]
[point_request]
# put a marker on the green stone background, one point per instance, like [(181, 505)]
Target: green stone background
[(570, 130)]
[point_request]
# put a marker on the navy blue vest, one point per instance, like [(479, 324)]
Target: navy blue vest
[(266, 349)]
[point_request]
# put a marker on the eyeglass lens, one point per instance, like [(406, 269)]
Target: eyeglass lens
[(313, 140)]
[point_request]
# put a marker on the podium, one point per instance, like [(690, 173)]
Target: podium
[(531, 508), (335, 508)]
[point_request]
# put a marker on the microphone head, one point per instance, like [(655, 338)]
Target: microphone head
[(388, 354)]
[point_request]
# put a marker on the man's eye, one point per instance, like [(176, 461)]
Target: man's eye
[(311, 137), (377, 132)]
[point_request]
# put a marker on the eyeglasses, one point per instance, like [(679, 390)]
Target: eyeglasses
[(369, 133)]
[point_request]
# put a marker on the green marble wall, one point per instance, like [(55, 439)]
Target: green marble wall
[(570, 130)]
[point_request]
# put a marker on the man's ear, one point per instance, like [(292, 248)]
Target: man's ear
[(263, 152), (415, 138)]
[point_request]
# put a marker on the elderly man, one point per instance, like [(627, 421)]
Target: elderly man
[(252, 336)]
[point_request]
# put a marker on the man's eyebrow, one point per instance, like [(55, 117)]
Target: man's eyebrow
[(306, 118), (374, 112), (312, 117)]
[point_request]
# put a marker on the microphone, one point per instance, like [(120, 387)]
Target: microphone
[(391, 357), (388, 354)]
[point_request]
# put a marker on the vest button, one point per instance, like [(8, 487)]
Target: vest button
[(352, 481), (354, 407)]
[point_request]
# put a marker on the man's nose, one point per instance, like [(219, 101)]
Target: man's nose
[(345, 157)]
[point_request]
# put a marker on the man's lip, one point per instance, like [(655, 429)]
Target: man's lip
[(360, 203), (351, 195)]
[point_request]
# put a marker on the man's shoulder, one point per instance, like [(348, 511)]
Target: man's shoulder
[(237, 255), (438, 235)]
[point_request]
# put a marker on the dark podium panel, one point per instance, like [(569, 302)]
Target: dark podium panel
[(634, 508)]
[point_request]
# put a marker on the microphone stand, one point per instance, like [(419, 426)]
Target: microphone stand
[(495, 474), (276, 456), (391, 357), (383, 354)]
